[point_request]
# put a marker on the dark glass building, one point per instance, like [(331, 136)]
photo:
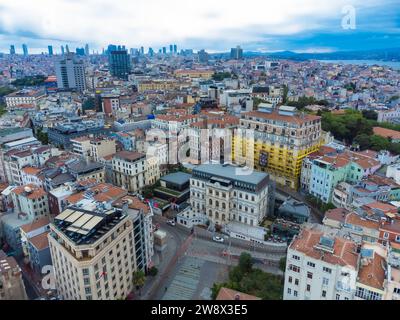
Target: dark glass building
[(119, 64)]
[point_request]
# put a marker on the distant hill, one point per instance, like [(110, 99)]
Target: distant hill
[(391, 54)]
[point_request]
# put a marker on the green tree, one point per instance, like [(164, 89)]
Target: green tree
[(153, 271), (139, 279), (282, 264), (363, 140), (379, 143), (370, 114), (285, 94), (215, 290), (42, 136), (245, 262)]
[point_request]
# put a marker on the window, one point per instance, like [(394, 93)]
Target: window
[(295, 293), (327, 270), (385, 235), (311, 264), (396, 290), (295, 257), (294, 268), (325, 281), (308, 289), (323, 294), (337, 296), (289, 291), (85, 272), (290, 279), (309, 275), (296, 282)]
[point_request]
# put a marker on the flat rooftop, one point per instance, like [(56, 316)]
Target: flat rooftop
[(85, 227), (230, 172), (177, 178)]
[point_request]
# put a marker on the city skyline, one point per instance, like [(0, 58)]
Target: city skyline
[(308, 26)]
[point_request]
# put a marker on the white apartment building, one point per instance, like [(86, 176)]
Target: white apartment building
[(81, 146), (24, 97), (389, 115), (70, 73), (129, 170), (393, 171), (320, 266), (93, 254), (30, 201), (224, 193)]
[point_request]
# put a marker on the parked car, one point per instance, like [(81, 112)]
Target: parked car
[(171, 223), (218, 239)]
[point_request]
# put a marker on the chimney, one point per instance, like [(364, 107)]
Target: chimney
[(237, 296)]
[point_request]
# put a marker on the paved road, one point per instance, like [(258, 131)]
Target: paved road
[(181, 245), (175, 245)]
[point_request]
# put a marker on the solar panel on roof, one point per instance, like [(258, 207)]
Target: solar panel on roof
[(82, 220), (75, 216), (92, 223), (64, 214)]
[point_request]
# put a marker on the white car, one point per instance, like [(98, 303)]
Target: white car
[(171, 223), (218, 239)]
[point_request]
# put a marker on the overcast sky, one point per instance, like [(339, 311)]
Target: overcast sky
[(215, 25)]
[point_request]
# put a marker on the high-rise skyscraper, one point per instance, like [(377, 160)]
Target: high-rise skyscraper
[(237, 53), (141, 51), (66, 48), (62, 50), (50, 47), (25, 49), (175, 49), (119, 63), (70, 73), (80, 51), (203, 56), (171, 48), (151, 52), (164, 50), (87, 49), (12, 49)]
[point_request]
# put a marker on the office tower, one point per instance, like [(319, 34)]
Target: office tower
[(12, 49), (141, 51), (282, 138), (62, 50), (151, 52), (159, 51), (237, 53), (203, 56), (119, 64), (66, 48), (80, 51), (25, 49), (70, 73), (171, 48), (111, 47), (50, 50), (175, 48), (87, 49), (93, 253), (164, 50)]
